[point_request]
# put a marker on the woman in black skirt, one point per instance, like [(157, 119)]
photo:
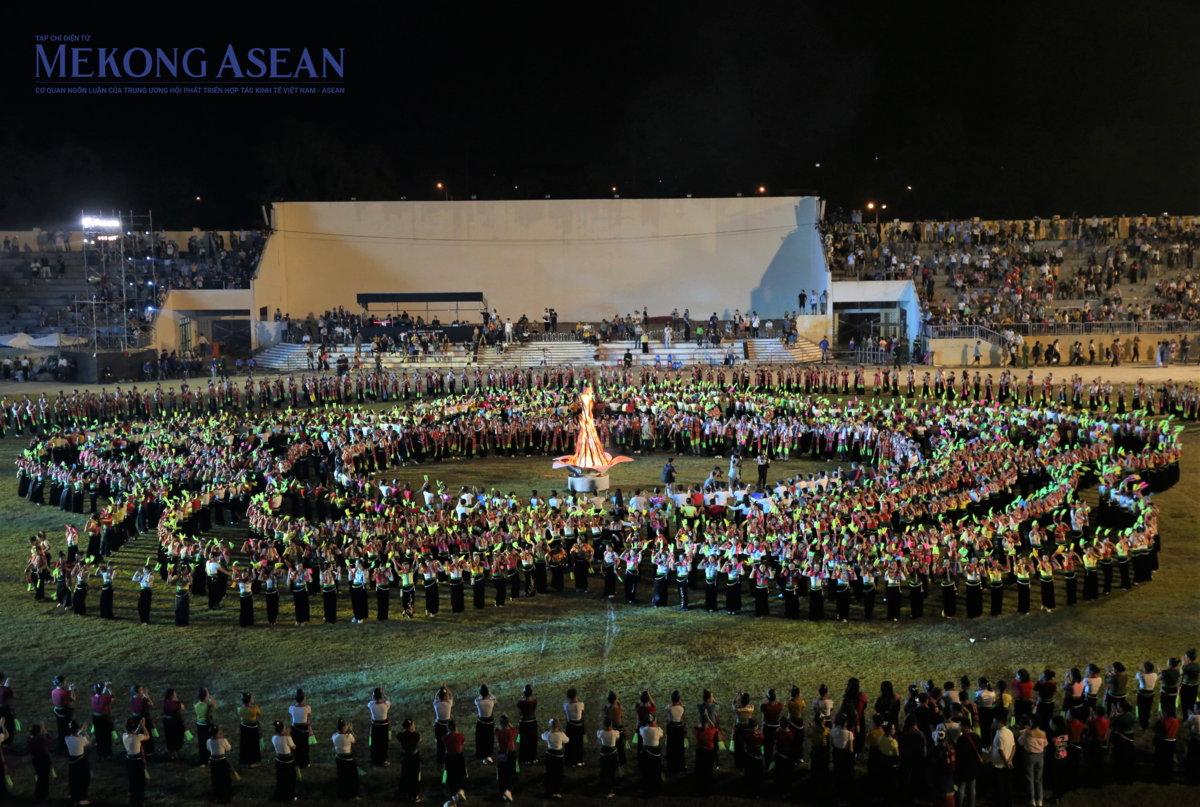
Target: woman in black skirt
[(301, 729), (102, 721), (383, 577), (145, 581), (496, 574), (762, 578), (79, 773), (528, 727), (181, 580), (285, 763), (733, 586), (347, 768), (558, 563), (106, 574), (220, 765), (506, 758), (381, 726), (454, 774), (629, 562), (573, 752), (359, 575), (477, 579), (270, 588), (329, 595), (245, 585), (816, 597), (429, 574), (410, 762), (1045, 569), (539, 569), (136, 733), (250, 734), (581, 559), (556, 744), (485, 725), (712, 570), (79, 597), (142, 707), (173, 723), (298, 578), (662, 572), (676, 734), (204, 708), (456, 570)]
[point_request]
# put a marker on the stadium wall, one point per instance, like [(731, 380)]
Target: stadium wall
[(586, 258)]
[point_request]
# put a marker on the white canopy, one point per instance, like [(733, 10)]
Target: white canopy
[(57, 340), (17, 340)]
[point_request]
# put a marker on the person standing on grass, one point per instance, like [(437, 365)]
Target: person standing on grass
[(455, 771), (285, 763), (443, 706), (38, 746), (527, 726), (506, 758), (135, 759), (556, 740), (409, 740), (250, 734), (347, 768), (378, 707)]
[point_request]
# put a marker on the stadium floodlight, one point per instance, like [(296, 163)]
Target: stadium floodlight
[(96, 223)]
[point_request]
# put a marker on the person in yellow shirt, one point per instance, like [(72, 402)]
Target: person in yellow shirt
[(250, 738), (819, 762), (889, 761)]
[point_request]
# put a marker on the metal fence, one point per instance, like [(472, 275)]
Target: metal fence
[(1038, 329)]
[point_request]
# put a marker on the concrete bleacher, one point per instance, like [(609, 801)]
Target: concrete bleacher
[(686, 352), (287, 358), (23, 302)]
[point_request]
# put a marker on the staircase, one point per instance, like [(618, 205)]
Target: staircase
[(290, 358), (774, 351), (534, 354), (661, 355)]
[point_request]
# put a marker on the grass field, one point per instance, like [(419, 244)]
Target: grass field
[(552, 642)]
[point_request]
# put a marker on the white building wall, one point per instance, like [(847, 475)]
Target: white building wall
[(587, 258)]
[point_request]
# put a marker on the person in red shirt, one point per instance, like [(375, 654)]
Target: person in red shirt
[(62, 698), (1164, 749), (506, 758), (102, 720), (173, 709), (771, 709), (644, 709), (1075, 732), (1095, 747), (140, 705), (707, 738), (1022, 692), (456, 763), (783, 756)]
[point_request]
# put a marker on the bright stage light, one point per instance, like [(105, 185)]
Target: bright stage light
[(94, 222)]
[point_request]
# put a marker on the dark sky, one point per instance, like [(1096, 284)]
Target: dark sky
[(1000, 111)]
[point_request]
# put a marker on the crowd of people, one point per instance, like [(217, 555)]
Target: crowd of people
[(1040, 738), (950, 489)]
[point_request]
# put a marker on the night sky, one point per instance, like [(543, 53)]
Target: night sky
[(1004, 110)]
